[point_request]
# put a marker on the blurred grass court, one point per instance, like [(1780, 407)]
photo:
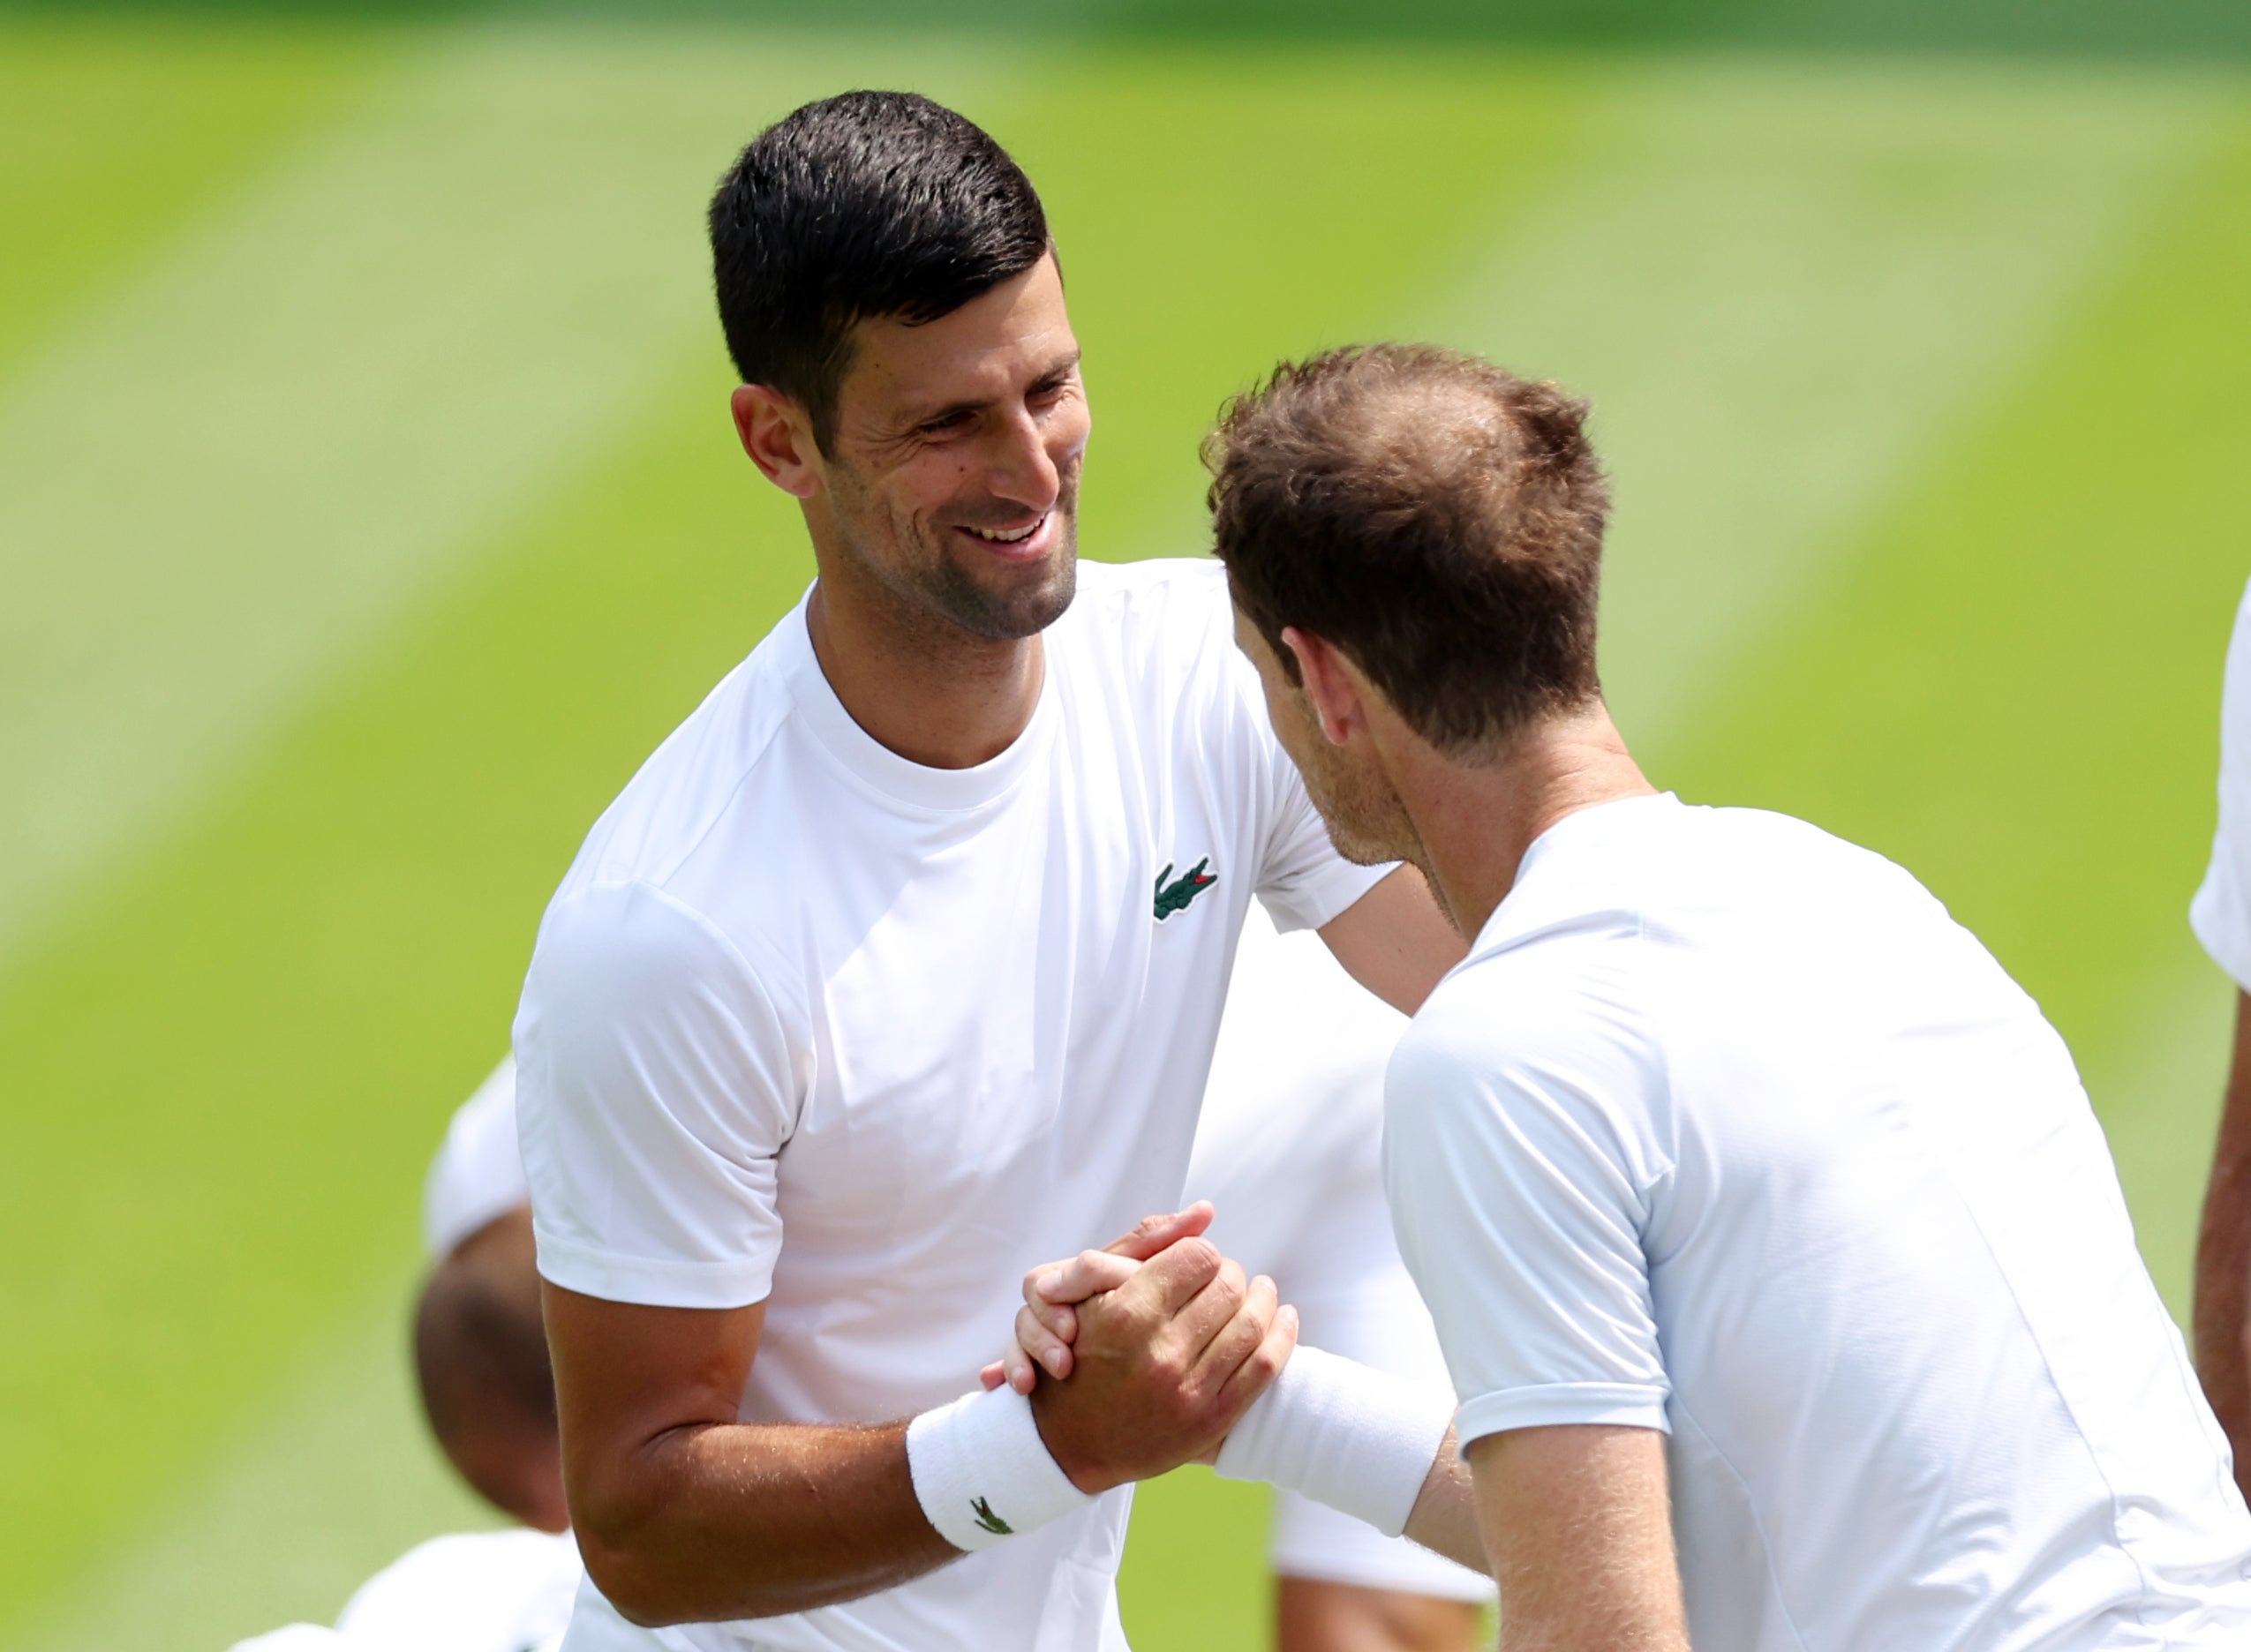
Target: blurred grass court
[(368, 509)]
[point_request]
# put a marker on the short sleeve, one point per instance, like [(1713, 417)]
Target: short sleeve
[(656, 1091), (478, 1173), (1519, 1168), (2221, 912)]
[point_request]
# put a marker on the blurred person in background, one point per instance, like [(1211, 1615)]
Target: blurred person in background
[(2221, 916), (480, 1362), (480, 1347)]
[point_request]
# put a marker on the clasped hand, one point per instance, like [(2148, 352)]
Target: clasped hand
[(1156, 1345)]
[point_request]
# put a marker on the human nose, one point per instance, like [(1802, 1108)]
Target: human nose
[(1028, 467)]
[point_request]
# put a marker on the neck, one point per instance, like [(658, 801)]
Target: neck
[(919, 685), (1474, 821)]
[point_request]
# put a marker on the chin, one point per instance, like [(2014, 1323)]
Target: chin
[(1366, 824), (1035, 600), (1359, 850)]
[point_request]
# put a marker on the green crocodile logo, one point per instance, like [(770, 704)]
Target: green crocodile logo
[(1175, 897), (990, 1520)]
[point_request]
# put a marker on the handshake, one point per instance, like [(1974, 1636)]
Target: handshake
[(1157, 1351), (1157, 1344)]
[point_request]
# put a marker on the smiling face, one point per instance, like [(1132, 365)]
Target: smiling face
[(953, 481)]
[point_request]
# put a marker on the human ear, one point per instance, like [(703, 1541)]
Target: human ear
[(778, 436), (1329, 684)]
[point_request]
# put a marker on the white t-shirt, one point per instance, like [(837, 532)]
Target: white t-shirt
[(811, 1024), (498, 1591), (1725, 1128), (2221, 912)]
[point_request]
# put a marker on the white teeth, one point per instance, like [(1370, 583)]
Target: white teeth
[(1014, 536)]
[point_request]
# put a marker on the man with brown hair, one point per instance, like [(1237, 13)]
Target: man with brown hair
[(1778, 1261)]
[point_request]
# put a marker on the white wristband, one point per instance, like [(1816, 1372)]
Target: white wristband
[(981, 1473), (1342, 1433)]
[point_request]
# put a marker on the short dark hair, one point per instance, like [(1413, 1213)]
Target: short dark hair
[(1437, 518), (862, 204)]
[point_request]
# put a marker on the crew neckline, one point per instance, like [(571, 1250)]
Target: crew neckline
[(1597, 820), (871, 761)]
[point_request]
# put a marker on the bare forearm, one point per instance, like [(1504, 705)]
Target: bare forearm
[(2223, 1306), (2223, 1261), (1445, 1514), (715, 1522), (1577, 1520), (1395, 941)]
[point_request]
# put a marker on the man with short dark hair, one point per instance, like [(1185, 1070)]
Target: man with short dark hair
[(1777, 1256), (897, 969)]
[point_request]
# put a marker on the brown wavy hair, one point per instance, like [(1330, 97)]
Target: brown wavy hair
[(1436, 517)]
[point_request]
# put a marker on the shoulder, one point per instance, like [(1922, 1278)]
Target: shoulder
[(623, 949), (707, 768), (1556, 1028), (1152, 644), (1538, 996), (1162, 609), (1517, 1079), (1789, 872), (1197, 581), (1655, 866)]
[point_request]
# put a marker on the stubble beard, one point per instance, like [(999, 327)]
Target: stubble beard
[(936, 596), (1367, 821)]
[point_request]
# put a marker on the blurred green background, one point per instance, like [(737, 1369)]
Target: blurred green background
[(368, 508)]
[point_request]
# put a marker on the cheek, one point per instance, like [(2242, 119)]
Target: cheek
[(1299, 734), (1280, 712), (917, 492)]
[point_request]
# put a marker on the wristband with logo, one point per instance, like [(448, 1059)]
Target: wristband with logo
[(982, 1474)]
